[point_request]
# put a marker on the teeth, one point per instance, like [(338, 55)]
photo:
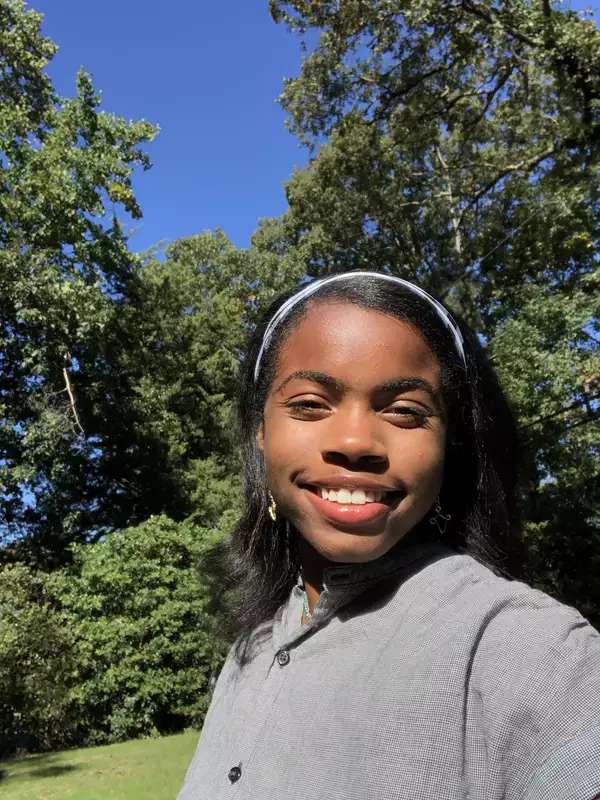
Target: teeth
[(350, 497), (344, 496)]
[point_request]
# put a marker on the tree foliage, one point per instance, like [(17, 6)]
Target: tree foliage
[(37, 664), (147, 640), (117, 370), (64, 267)]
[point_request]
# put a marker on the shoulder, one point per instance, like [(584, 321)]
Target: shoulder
[(475, 594), (500, 625), (533, 682), (528, 653)]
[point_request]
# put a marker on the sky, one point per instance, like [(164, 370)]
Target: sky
[(208, 73)]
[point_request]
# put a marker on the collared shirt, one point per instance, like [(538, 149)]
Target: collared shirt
[(422, 676)]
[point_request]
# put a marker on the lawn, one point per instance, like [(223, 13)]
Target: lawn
[(145, 769)]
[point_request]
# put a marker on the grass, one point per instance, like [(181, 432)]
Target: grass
[(138, 770)]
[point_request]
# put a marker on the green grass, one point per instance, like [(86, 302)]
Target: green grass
[(145, 769)]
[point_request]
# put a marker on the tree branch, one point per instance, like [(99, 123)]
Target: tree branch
[(455, 218), (562, 411), (522, 166), (71, 395), (494, 17)]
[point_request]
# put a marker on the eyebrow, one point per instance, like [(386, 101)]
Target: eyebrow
[(317, 377), (394, 385)]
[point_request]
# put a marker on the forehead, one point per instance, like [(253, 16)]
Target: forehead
[(359, 345)]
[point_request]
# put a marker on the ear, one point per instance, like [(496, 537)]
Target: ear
[(260, 437)]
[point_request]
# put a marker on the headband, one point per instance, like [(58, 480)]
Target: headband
[(313, 287)]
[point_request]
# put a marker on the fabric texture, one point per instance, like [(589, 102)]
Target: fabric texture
[(422, 676)]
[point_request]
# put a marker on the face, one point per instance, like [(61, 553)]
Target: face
[(353, 432)]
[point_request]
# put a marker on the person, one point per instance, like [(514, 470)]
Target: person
[(384, 648)]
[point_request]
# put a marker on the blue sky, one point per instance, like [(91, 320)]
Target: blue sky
[(209, 74)]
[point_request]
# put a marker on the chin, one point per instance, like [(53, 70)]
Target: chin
[(347, 548)]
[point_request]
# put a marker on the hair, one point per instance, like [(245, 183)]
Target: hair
[(479, 479)]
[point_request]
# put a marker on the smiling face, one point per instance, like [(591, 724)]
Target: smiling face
[(353, 432)]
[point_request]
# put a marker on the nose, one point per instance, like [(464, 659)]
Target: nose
[(352, 441)]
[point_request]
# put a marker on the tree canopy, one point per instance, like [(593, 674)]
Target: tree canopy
[(65, 267), (117, 370)]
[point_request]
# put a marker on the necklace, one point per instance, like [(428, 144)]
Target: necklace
[(306, 614)]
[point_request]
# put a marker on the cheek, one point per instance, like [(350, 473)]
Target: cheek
[(423, 463), (286, 449), (281, 445)]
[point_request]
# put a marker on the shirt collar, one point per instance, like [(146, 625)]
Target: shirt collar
[(345, 582)]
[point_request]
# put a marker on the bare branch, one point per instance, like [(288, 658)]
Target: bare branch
[(455, 218), (69, 390)]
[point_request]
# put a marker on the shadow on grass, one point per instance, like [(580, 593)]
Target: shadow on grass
[(33, 767)]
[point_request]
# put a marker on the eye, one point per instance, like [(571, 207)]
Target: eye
[(308, 408), (408, 416)]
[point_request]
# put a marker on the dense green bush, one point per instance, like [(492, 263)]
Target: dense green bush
[(147, 639), (37, 665)]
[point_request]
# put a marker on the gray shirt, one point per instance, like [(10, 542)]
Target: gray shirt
[(422, 676)]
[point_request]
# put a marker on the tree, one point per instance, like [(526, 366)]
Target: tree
[(426, 113), (457, 144), (64, 270), (117, 371), (157, 395), (148, 642), (37, 665), (548, 362)]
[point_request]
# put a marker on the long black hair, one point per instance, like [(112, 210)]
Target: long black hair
[(478, 487)]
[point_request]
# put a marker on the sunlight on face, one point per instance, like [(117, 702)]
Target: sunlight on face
[(354, 431)]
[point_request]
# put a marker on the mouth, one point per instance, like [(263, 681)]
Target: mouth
[(353, 505)]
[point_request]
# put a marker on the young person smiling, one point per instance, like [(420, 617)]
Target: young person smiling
[(383, 652)]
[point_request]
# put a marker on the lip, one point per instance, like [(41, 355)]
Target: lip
[(352, 515)]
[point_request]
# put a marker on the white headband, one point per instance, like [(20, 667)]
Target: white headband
[(313, 287)]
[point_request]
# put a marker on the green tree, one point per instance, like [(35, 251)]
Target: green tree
[(457, 144), (548, 361), (65, 267), (37, 665), (165, 429), (117, 371), (148, 641)]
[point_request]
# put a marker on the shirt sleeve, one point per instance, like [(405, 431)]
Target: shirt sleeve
[(536, 674)]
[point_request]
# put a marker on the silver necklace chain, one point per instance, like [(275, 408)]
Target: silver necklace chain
[(306, 613)]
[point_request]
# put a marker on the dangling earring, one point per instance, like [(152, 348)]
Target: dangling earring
[(272, 508), (439, 519)]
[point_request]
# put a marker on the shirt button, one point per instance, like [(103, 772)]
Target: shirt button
[(235, 773), (283, 658)]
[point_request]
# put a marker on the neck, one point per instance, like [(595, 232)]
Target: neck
[(312, 564)]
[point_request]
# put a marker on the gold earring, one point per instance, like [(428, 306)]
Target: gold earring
[(272, 507)]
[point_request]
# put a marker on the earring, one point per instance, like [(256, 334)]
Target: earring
[(272, 508), (439, 519)]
